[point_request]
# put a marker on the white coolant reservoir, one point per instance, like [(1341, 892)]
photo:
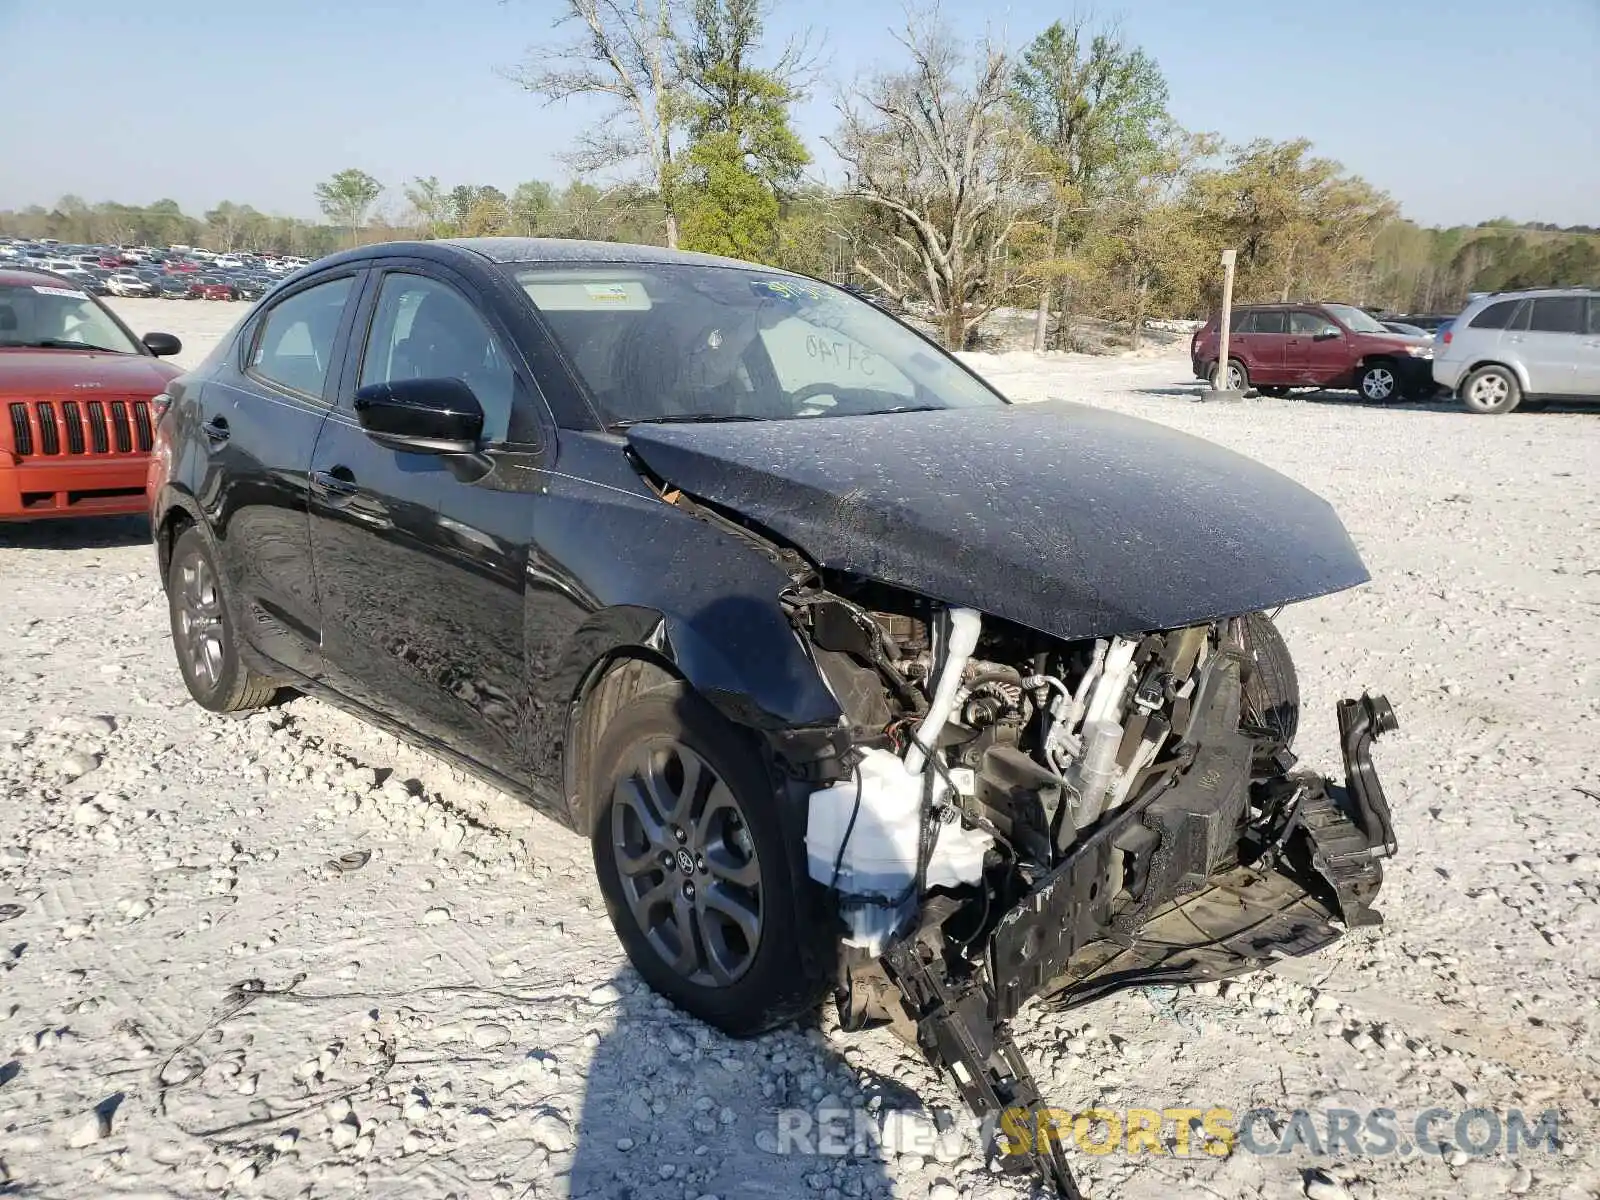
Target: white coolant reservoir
[(880, 854)]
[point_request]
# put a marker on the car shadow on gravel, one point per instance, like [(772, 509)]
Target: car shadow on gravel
[(75, 533), (674, 1108)]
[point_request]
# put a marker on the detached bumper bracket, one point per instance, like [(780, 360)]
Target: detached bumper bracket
[(956, 1030)]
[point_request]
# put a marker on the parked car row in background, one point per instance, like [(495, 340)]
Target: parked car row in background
[(175, 273), (1503, 350)]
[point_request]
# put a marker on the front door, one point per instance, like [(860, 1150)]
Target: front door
[(260, 415), (421, 558), (1317, 351)]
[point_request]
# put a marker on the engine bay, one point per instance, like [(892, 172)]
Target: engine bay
[(1016, 816)]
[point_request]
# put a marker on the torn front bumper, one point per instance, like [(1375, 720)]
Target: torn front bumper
[(1210, 904)]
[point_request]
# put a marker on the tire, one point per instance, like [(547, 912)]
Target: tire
[(1490, 391), (1271, 687), (1239, 373), (671, 904), (1378, 382), (203, 635)]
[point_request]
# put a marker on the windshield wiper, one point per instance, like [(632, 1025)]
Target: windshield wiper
[(683, 419), (57, 344)]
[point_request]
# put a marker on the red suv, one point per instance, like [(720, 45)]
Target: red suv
[(77, 411), (1275, 347)]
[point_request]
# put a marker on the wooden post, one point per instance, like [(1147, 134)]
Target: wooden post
[(1220, 381)]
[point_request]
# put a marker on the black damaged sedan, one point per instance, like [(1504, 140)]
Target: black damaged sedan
[(859, 678)]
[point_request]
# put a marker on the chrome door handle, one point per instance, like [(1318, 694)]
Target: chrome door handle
[(335, 487)]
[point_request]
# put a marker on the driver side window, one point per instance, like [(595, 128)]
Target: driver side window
[(1309, 324), (804, 353), (424, 329)]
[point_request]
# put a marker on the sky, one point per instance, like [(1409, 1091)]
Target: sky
[(1462, 110)]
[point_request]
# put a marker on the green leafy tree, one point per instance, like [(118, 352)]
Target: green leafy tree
[(530, 207), (1095, 110), (347, 198), (431, 209), (743, 152)]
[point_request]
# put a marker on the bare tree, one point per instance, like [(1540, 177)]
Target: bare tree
[(932, 150), (625, 50)]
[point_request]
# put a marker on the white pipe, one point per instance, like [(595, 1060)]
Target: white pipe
[(1112, 683), (965, 624)]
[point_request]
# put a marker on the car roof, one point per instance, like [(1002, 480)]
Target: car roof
[(27, 277), (506, 250)]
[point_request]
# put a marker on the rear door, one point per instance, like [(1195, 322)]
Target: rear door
[(260, 413), (1549, 346), (1263, 342)]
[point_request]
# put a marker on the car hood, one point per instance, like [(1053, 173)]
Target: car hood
[(80, 373), (1068, 519)]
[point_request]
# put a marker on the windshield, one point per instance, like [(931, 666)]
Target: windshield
[(1354, 319), (668, 342), (55, 316)]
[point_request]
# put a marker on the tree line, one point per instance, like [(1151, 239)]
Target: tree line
[(1052, 177)]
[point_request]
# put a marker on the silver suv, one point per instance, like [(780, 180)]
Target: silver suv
[(1508, 348)]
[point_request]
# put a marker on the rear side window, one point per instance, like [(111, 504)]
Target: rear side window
[(1594, 315), (1557, 314), (1496, 316), (1272, 321), (1241, 321), (295, 346)]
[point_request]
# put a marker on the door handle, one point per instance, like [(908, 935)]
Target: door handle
[(216, 430), (1514, 337), (333, 485)]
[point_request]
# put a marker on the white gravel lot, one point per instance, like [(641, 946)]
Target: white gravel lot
[(194, 1002)]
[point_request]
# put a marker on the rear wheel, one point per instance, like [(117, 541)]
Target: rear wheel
[(203, 633), (694, 862), (1490, 391), (1237, 379)]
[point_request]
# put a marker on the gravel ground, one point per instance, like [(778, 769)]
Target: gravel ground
[(201, 994)]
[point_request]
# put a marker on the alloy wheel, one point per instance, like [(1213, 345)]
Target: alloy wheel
[(1235, 378), (1378, 384), (1488, 390), (200, 620), (687, 863)]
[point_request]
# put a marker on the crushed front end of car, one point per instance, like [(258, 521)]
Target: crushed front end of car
[(1017, 817), (1063, 764)]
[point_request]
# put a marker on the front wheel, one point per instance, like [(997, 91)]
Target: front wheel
[(1490, 391), (203, 633), (695, 864), (1378, 382)]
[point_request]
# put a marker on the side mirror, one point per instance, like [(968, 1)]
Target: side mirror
[(421, 416), (1325, 335), (161, 344)]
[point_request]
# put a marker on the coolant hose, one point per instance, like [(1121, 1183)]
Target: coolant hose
[(965, 624)]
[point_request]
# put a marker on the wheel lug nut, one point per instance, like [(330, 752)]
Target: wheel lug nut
[(688, 890), (699, 862), (680, 835)]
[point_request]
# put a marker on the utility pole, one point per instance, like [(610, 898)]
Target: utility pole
[(1219, 382)]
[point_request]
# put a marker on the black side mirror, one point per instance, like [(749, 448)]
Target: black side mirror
[(422, 416), (161, 344)]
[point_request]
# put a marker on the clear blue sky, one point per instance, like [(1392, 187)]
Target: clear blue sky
[(1461, 109)]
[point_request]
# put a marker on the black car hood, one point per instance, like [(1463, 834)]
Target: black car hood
[(1068, 519)]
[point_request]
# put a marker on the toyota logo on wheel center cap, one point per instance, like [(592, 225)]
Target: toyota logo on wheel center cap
[(685, 862)]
